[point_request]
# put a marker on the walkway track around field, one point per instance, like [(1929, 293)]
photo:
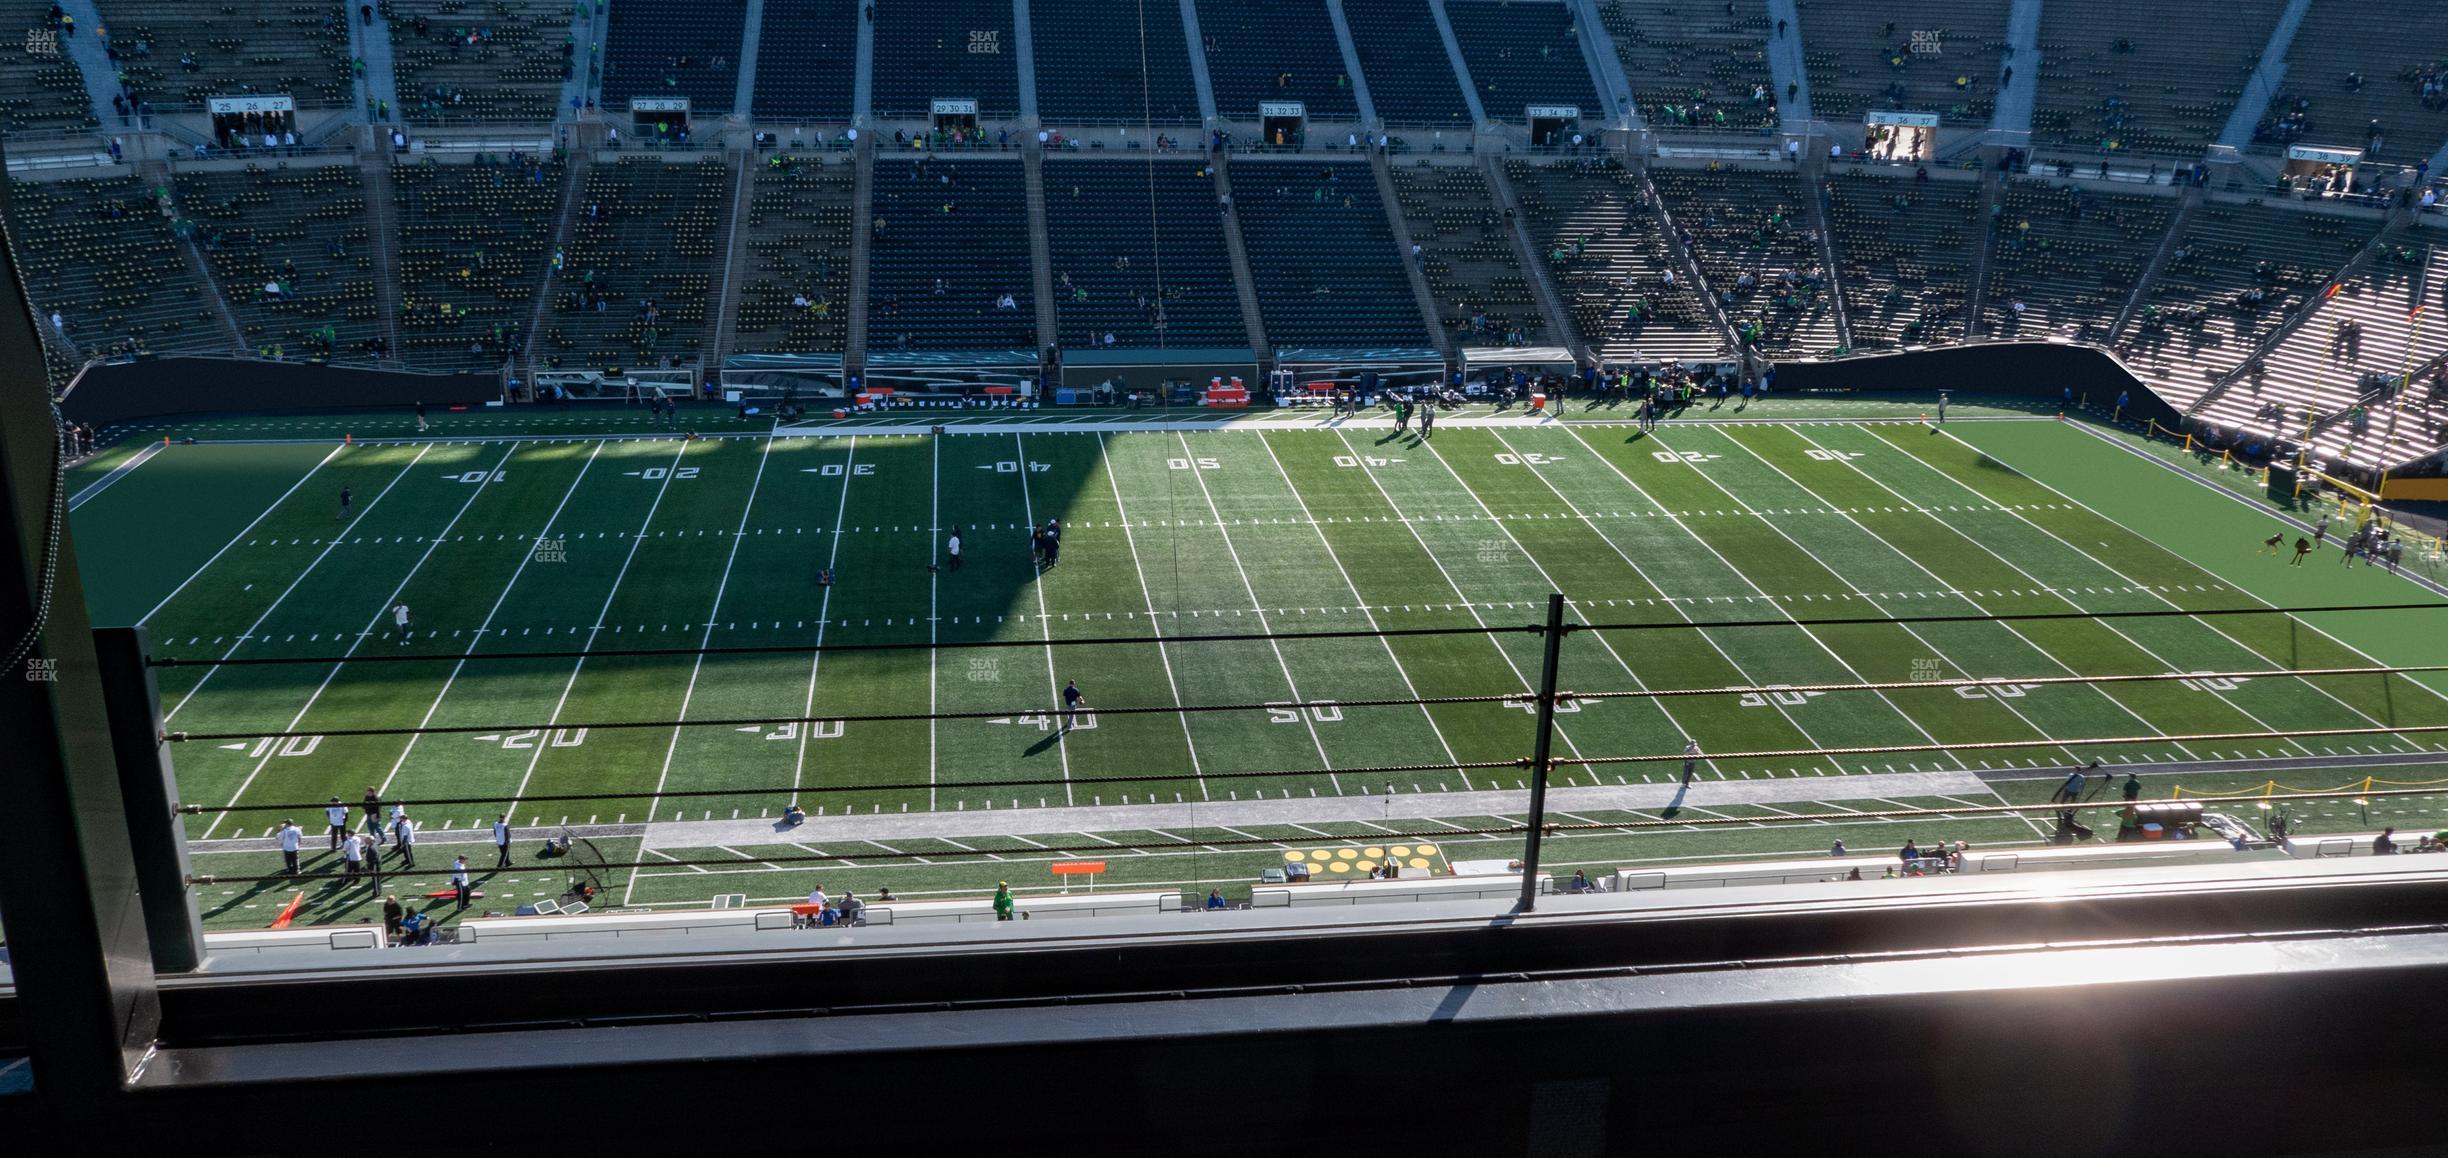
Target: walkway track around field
[(1415, 806), (118, 472)]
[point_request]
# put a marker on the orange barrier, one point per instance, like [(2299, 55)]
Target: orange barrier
[(290, 910), (1065, 868)]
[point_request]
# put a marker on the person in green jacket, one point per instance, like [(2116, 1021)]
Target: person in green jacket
[(1003, 901)]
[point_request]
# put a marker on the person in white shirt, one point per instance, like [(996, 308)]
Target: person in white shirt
[(352, 857), (459, 880), (289, 838), (399, 619), (403, 833), (952, 551), (816, 897), (501, 840), (337, 814)]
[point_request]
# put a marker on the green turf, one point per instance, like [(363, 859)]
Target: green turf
[(604, 545)]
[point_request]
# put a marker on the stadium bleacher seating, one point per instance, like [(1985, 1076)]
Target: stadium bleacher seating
[(1124, 236), (501, 60), (1274, 50), (474, 246), (1410, 75), (183, 51), (100, 254), (1089, 63), (2148, 79), (1903, 55), (673, 49), (644, 253), (1467, 253), (1750, 234), (2349, 353), (2070, 258), (40, 87), (949, 239), (807, 60), (946, 49), (797, 240), (1322, 257), (2403, 72), (1600, 236), (303, 229), (1522, 53), (1694, 65), (2237, 271), (1904, 253)]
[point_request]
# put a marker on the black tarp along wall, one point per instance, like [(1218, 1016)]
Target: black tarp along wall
[(2038, 370), (151, 387)]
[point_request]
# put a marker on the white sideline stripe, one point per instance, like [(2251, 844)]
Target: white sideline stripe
[(482, 628), (431, 546), (1935, 650), (1298, 812), (1604, 644), (116, 473), (2059, 593), (242, 533), (1303, 505), (662, 488), (2214, 629), (317, 561), (1686, 615), (1148, 597), (713, 615), (934, 597), (1290, 682), (1045, 625)]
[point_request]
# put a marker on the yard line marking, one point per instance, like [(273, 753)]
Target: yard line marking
[(1149, 598), (1303, 506), (1908, 629), (1045, 624), (1738, 573), (118, 472), (1307, 721), (483, 627), (243, 636), (371, 624), (1473, 609), (2173, 604), (2059, 595), (1604, 644), (242, 533), (672, 747), (638, 540), (934, 591), (824, 617)]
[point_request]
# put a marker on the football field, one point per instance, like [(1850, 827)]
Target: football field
[(626, 634)]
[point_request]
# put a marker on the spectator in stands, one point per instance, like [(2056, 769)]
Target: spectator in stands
[(393, 917), (1215, 898), (853, 910), (1003, 902), (1911, 854), (2383, 844)]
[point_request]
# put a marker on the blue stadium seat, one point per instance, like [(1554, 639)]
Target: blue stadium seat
[(949, 239), (1275, 50), (1128, 237), (951, 49), (1522, 53), (1322, 256), (807, 60), (1089, 63), (1410, 75), (665, 49)]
